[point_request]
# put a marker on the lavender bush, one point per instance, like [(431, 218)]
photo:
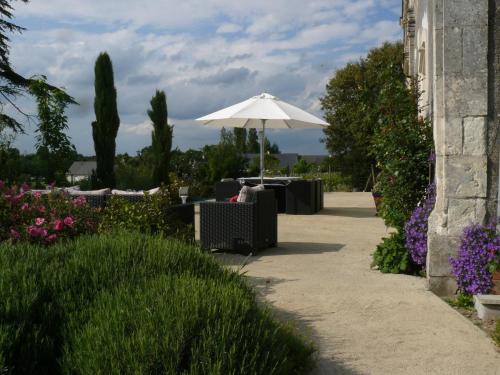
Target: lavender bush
[(416, 227), (480, 246)]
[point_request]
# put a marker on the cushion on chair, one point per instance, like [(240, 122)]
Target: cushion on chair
[(247, 193)]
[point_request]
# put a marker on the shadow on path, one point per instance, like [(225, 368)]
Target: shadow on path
[(354, 212), (325, 365)]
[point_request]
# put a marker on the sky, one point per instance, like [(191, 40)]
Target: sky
[(205, 54)]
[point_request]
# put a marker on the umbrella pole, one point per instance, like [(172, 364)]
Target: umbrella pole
[(262, 145)]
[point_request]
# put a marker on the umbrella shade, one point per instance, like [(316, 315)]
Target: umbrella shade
[(250, 113), (261, 112)]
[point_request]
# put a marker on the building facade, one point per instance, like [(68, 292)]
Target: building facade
[(452, 48)]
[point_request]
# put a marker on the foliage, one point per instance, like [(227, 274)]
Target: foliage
[(479, 247), (152, 215), (391, 256), (131, 303), (240, 139), (192, 167), (13, 84), (416, 227), (302, 166), (134, 172), (496, 333), (271, 165), (253, 146), (331, 181), (52, 143), (105, 127), (43, 219), (161, 138), (401, 145), (464, 301), (352, 106)]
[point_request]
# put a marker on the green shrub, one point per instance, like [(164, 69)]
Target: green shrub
[(392, 256), (465, 301), (496, 333), (132, 303), (150, 215)]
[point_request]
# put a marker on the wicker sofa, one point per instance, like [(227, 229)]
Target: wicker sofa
[(240, 227), (304, 197)]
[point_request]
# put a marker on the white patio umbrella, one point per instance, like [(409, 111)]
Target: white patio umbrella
[(263, 112)]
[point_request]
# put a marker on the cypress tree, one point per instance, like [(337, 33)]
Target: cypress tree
[(161, 138), (253, 142), (105, 127)]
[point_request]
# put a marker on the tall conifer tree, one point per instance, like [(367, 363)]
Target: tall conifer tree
[(240, 139), (105, 127), (161, 138), (253, 142)]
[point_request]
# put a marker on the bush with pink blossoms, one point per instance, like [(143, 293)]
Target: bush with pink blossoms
[(31, 216)]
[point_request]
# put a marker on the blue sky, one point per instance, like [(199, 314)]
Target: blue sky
[(205, 54)]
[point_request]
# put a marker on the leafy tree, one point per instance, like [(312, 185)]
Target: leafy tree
[(52, 143), (302, 167), (226, 137), (161, 138), (252, 142), (352, 108), (105, 128), (240, 139), (225, 161), (271, 148), (13, 84)]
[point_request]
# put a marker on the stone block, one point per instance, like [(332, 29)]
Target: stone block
[(463, 212), (475, 49), (466, 95), (442, 286), (440, 249), (465, 12), (487, 306), (474, 142), (465, 176), (438, 14), (453, 136), (438, 52), (452, 50)]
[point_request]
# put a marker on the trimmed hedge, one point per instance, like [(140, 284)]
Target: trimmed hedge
[(131, 303)]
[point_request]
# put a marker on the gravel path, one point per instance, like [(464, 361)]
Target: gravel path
[(362, 321)]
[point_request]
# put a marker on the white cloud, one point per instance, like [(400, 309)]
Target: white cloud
[(287, 47), (228, 28)]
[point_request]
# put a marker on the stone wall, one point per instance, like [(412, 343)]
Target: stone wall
[(465, 128)]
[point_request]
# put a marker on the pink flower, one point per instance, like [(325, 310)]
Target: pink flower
[(79, 201), (24, 187), (51, 238), (41, 209), (39, 221), (58, 225), (68, 220), (43, 232), (33, 231), (25, 207), (14, 234), (37, 195)]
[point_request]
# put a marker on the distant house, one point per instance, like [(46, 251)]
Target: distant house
[(80, 170)]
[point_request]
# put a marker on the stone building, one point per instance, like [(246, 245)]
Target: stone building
[(453, 48)]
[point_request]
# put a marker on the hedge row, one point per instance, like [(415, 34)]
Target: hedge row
[(133, 304)]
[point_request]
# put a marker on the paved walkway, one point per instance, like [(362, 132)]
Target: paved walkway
[(363, 322)]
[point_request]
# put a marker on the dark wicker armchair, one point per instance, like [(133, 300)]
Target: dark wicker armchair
[(241, 227), (304, 197), (226, 189)]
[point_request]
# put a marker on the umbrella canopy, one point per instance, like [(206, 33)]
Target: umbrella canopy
[(261, 112)]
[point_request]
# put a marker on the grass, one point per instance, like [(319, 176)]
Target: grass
[(127, 303), (464, 301)]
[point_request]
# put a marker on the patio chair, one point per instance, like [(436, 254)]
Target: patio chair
[(226, 189), (301, 198), (241, 227)]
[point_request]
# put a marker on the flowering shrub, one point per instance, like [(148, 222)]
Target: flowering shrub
[(416, 227), (41, 218), (479, 249)]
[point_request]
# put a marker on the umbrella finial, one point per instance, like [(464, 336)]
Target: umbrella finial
[(265, 95)]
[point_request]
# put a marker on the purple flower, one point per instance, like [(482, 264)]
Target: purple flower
[(416, 227), (479, 246)]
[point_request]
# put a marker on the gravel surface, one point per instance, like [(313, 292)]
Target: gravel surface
[(362, 321)]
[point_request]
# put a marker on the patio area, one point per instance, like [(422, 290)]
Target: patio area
[(362, 321)]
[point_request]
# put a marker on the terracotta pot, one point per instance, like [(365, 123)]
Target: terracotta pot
[(496, 283), (378, 198)]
